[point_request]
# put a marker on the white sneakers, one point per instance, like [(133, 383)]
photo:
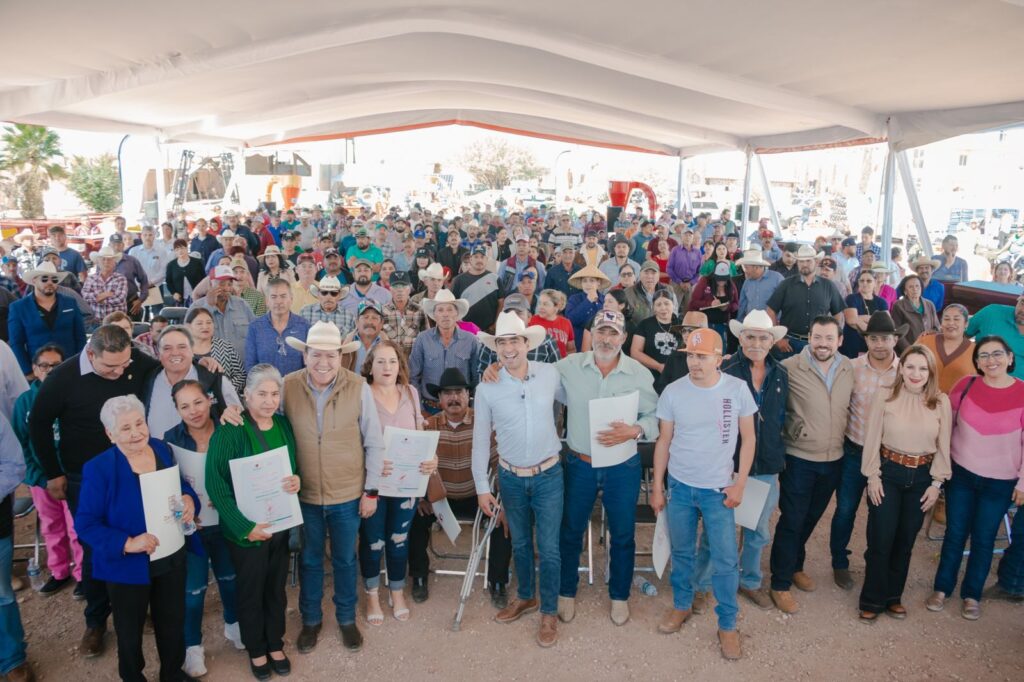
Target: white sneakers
[(195, 661), (234, 635)]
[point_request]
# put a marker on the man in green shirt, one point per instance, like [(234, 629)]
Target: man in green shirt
[(1003, 321)]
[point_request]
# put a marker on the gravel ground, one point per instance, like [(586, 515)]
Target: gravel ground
[(824, 641)]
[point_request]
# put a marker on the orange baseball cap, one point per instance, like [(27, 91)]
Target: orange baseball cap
[(704, 342)]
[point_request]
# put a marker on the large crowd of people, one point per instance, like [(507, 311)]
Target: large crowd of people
[(821, 372)]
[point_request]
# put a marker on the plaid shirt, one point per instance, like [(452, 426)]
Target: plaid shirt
[(867, 381), (342, 318), (387, 249), (455, 454), (403, 328), (95, 284), (256, 301)]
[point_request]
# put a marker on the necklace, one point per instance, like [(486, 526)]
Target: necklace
[(663, 327)]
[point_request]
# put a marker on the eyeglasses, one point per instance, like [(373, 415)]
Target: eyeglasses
[(529, 275), (994, 355), (330, 293), (46, 365)]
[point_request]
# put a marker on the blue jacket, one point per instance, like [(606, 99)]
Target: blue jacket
[(110, 511), (770, 451), (27, 331)]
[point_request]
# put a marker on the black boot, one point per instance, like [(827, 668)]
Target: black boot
[(499, 597), (420, 591)]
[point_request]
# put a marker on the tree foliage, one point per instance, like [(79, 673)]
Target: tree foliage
[(96, 182), (495, 162), (31, 156)]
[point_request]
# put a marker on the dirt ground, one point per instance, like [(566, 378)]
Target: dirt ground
[(825, 641)]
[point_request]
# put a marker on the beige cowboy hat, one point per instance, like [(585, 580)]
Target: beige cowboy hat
[(757, 320), (879, 268), (510, 324), (922, 260), (806, 252), (23, 235), (45, 268), (329, 284), (445, 296), (323, 336), (272, 250), (435, 270), (105, 252), (590, 271), (753, 257)]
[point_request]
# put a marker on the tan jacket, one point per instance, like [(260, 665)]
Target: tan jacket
[(815, 417), (332, 465)]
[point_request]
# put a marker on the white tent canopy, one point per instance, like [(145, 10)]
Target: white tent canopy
[(655, 76)]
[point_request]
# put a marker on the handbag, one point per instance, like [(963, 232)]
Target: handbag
[(435, 488)]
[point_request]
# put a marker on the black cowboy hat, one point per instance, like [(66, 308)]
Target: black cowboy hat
[(881, 322), (450, 378)]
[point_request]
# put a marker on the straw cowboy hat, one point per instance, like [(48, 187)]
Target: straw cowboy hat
[(922, 260), (445, 296), (806, 252), (510, 324), (329, 284), (590, 271), (45, 269), (434, 270), (271, 250), (105, 252), (323, 336), (757, 321), (23, 235), (753, 257)]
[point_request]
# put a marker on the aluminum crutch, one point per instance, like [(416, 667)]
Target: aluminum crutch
[(474, 562)]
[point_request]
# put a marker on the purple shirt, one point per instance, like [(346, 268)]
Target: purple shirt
[(684, 265)]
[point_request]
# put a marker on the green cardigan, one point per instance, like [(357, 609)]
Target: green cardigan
[(233, 442)]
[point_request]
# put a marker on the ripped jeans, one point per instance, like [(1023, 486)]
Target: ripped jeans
[(387, 532), (197, 578)]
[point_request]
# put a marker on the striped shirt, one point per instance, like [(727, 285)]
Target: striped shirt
[(455, 453)]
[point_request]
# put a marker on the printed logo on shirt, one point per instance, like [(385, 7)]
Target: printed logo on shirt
[(725, 426)]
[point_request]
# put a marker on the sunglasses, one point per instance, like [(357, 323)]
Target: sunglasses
[(330, 293), (47, 365), (47, 280)]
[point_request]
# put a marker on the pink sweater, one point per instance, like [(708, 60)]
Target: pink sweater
[(988, 432)]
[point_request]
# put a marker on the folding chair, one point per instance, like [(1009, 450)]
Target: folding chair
[(139, 328), (174, 315), (1007, 521), (23, 506)]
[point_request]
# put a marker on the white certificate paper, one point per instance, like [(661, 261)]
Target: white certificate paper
[(406, 449), (604, 411), (662, 548), (755, 494), (193, 470), (158, 489), (257, 482), (446, 518)]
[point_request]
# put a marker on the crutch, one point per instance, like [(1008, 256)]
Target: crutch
[(474, 562)]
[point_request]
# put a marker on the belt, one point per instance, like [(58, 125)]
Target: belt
[(581, 456), (529, 471), (911, 461), (801, 337)]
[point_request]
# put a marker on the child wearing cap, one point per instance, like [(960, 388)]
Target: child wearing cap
[(550, 305)]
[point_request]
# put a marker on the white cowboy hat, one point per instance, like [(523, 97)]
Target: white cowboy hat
[(880, 268), (757, 320), (105, 252), (271, 250), (23, 235), (510, 324), (46, 268), (806, 252), (323, 336), (445, 296), (922, 260), (329, 284), (753, 257), (434, 270)]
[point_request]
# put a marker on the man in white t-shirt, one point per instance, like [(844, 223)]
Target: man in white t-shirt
[(700, 418)]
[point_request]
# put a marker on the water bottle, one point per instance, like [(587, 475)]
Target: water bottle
[(178, 509), (35, 575), (645, 586)]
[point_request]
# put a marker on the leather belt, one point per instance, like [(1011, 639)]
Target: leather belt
[(582, 457), (529, 471), (910, 461)]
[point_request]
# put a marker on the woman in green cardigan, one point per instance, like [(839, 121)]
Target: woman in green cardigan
[(260, 558)]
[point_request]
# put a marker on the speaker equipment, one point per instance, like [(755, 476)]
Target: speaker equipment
[(755, 213), (613, 215)]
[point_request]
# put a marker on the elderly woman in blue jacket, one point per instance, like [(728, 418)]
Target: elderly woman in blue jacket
[(111, 521)]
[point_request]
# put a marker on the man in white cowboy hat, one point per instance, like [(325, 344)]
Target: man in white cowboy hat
[(105, 289), (364, 287), (432, 277), (26, 253), (329, 294), (443, 346), (340, 452), (47, 316), (768, 382), (798, 300), (519, 407), (759, 282), (932, 288), (226, 239)]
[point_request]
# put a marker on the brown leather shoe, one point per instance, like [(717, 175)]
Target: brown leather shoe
[(784, 601), (897, 611), (759, 597), (547, 636), (868, 616), (23, 673), (700, 603), (673, 621), (729, 641), (515, 610), (92, 644), (804, 582), (936, 602), (307, 638)]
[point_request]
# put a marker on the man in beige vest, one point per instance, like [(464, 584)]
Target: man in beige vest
[(340, 450)]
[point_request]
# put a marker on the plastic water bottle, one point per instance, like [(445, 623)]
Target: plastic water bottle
[(178, 508), (645, 585), (35, 575)]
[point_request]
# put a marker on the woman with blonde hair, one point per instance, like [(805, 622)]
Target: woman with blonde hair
[(906, 460)]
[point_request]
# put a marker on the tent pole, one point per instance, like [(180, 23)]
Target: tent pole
[(679, 186), (746, 197), (888, 200), (915, 205), (768, 196), (161, 184)]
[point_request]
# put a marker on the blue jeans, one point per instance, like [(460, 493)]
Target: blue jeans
[(528, 501), (387, 533), (685, 505), (753, 542), (197, 578), (341, 522), (621, 488), (848, 496), (1011, 566), (975, 506), (805, 489), (12, 634)]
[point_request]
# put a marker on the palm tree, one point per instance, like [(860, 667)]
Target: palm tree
[(30, 154)]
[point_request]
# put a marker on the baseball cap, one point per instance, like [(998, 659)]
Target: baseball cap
[(400, 279), (330, 252), (593, 233), (704, 342), (619, 239), (733, 235), (116, 238), (423, 252), (289, 236), (226, 233), (522, 236), (610, 318), (480, 248), (361, 261), (362, 232), (792, 247), (369, 304), (419, 234), (650, 265), (516, 302), (222, 272), (849, 241)]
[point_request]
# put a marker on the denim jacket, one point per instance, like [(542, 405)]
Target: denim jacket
[(770, 452)]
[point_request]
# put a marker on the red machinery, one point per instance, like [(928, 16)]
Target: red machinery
[(618, 196)]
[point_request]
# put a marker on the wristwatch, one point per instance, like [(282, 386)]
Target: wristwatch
[(937, 485), (639, 435), (371, 493)]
